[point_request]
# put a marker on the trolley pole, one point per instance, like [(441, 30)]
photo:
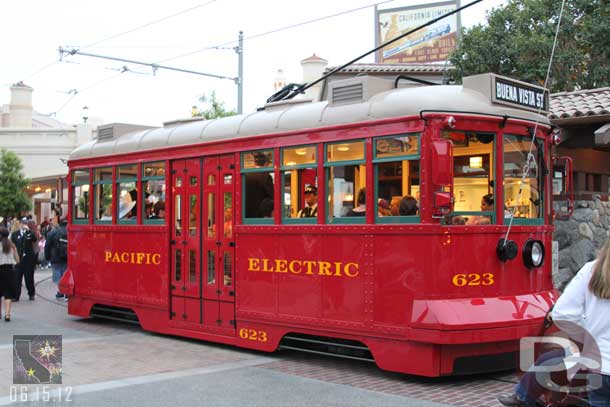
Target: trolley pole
[(240, 72)]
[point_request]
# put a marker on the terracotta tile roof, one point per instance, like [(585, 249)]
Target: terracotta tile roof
[(314, 57), (581, 103), (390, 68)]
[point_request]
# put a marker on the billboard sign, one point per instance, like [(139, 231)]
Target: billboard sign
[(430, 44)]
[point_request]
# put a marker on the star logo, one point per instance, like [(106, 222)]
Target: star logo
[(31, 372)]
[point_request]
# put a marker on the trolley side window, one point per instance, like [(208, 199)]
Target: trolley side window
[(127, 193), (527, 207), (80, 194), (102, 187), (258, 184), (396, 160), (346, 177), (153, 192), (299, 185), (473, 177)]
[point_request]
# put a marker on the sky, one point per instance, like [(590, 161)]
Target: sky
[(163, 32)]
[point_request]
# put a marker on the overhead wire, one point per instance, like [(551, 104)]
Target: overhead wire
[(148, 24), (526, 166), (276, 30)]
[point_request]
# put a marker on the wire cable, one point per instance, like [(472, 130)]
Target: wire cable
[(526, 167), (148, 24), (276, 30)]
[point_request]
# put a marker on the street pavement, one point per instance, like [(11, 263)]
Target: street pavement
[(107, 363)]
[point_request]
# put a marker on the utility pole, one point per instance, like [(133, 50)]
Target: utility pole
[(240, 72)]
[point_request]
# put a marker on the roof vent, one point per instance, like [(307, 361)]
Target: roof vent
[(356, 90), (105, 133), (113, 131)]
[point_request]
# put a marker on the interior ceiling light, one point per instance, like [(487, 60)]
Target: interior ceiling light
[(476, 162)]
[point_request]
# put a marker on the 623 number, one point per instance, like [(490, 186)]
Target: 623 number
[(253, 335), (461, 280)]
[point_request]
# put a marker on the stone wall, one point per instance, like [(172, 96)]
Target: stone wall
[(580, 238)]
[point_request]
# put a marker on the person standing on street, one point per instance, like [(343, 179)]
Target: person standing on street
[(8, 259), (24, 240), (56, 251)]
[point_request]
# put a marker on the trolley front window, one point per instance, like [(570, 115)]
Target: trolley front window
[(473, 177), (526, 207), (396, 160), (346, 175), (80, 195), (102, 186)]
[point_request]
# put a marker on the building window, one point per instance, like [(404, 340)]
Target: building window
[(258, 181), (346, 175), (153, 192), (127, 193), (300, 185), (102, 187), (80, 194), (396, 160)]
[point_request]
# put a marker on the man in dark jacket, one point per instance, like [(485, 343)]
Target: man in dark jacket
[(24, 239), (56, 251)]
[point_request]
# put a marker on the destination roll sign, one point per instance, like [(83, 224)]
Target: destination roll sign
[(520, 94)]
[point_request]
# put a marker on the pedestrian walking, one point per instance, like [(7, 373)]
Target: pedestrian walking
[(24, 240), (56, 251), (8, 259)]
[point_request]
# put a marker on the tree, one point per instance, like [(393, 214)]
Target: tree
[(518, 39), (13, 199), (215, 109)]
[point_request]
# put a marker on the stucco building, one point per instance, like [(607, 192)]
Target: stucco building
[(43, 144)]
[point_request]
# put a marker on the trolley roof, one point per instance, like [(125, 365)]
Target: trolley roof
[(479, 94)]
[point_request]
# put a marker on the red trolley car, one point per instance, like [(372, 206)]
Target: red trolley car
[(370, 225)]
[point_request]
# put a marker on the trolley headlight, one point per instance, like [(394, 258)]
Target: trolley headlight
[(533, 253)]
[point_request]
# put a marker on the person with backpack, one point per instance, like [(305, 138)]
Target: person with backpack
[(56, 251)]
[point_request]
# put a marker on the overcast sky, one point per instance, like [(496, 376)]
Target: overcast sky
[(32, 31)]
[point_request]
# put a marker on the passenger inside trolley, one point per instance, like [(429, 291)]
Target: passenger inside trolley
[(360, 209), (408, 206)]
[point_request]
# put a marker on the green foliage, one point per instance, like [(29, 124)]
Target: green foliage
[(518, 39), (214, 108), (13, 199)]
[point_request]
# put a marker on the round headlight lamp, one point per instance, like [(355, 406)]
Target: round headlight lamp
[(533, 253)]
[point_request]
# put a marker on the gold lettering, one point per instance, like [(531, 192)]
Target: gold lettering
[(281, 266), (107, 256), (124, 257), (347, 272), (116, 258), (253, 264), (133, 259), (147, 258), (291, 267), (156, 258), (324, 268), (266, 265), (309, 264), (140, 257), (338, 269)]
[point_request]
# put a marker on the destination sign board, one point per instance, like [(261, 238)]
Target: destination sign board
[(519, 94)]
